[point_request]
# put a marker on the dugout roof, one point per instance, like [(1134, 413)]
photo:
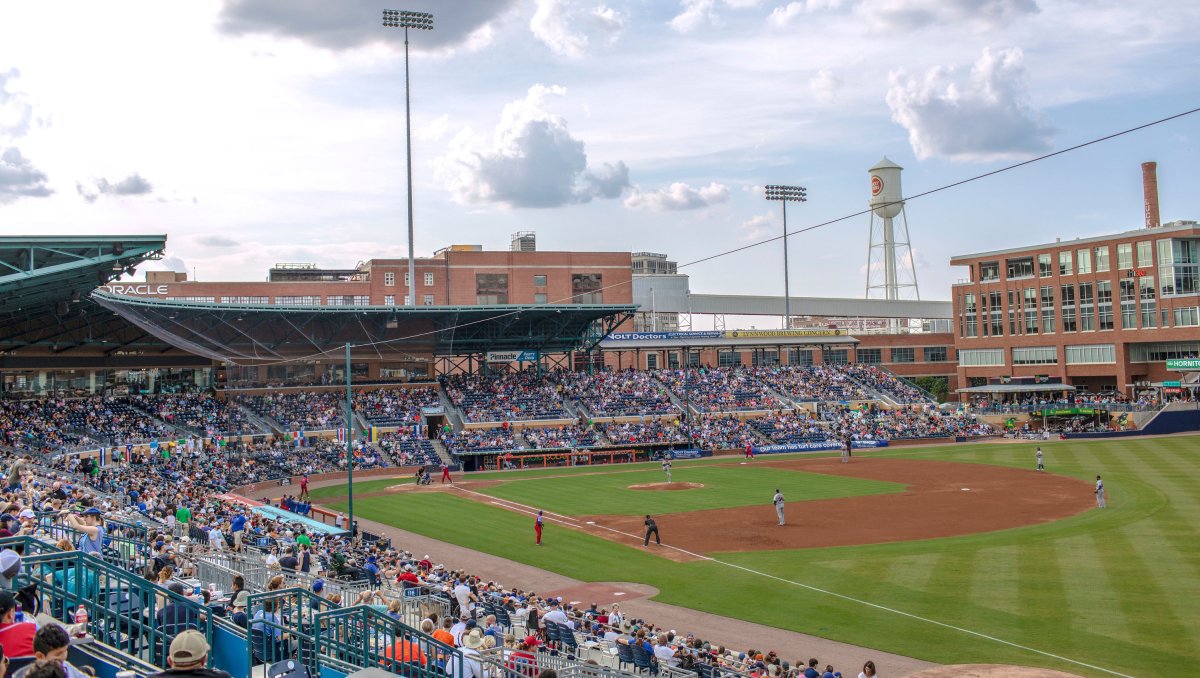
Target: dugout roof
[(44, 286), (265, 332)]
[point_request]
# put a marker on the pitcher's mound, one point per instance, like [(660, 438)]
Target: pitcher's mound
[(661, 487)]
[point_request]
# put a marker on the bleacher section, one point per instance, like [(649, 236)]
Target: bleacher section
[(506, 397), (199, 413), (725, 389), (394, 407), (617, 394), (307, 410)]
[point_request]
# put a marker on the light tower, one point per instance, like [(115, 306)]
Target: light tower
[(884, 269)]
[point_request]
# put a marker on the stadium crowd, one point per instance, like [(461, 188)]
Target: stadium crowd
[(503, 397), (723, 389), (304, 410), (616, 393), (806, 383)]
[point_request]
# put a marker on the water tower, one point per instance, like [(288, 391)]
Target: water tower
[(890, 267)]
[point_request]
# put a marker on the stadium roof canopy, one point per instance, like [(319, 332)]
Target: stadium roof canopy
[(44, 287), (266, 332)]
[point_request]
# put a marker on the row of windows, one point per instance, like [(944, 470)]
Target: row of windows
[(1087, 354), (1080, 261), (907, 354), (492, 288), (389, 279)]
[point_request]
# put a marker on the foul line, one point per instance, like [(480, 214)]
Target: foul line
[(524, 508)]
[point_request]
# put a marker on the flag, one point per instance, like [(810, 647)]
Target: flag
[(374, 434), (103, 458), (341, 433)]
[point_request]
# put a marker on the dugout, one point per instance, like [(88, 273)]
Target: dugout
[(522, 459)]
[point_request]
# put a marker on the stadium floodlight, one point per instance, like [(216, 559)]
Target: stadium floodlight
[(419, 21), (786, 194)]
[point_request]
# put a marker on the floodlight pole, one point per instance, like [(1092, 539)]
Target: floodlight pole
[(406, 20), (349, 447), (784, 194)]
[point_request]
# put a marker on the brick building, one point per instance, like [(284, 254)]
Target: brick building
[(1101, 314)]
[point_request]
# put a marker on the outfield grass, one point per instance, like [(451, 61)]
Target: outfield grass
[(1118, 588)]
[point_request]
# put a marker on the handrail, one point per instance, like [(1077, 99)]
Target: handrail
[(288, 628), (122, 608), (363, 637)]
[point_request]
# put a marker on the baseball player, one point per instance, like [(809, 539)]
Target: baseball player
[(1101, 502), (749, 452), (778, 500), (1040, 466), (846, 450), (537, 528), (651, 526), (667, 468), (446, 477)]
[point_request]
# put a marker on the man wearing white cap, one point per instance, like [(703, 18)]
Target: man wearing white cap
[(471, 668)]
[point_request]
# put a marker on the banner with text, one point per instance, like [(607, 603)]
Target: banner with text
[(816, 446), (511, 356)]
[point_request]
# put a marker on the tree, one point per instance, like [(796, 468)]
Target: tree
[(938, 386)]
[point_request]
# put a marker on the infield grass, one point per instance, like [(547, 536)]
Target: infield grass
[(1118, 589)]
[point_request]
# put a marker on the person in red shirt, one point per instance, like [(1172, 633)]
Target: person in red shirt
[(408, 576), (303, 487), (446, 475), (750, 452), (537, 528), (15, 637)]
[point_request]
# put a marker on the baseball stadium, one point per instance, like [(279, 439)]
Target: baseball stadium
[(536, 460)]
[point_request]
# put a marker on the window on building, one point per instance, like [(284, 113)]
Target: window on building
[(1031, 311), (539, 281), (1047, 295), (427, 300), (764, 358), (1101, 258), (870, 356), (429, 280), (540, 298), (935, 354), (1035, 355), (587, 288), (835, 356), (1020, 268), (981, 357), (1188, 316), (245, 300), (207, 300), (1104, 307), (1067, 299), (652, 361), (968, 326), (407, 281), (1145, 254), (1124, 256), (491, 288), (1179, 266), (1013, 317), (1087, 308), (800, 356), (408, 300), (1159, 351), (1083, 261), (389, 300), (1146, 292), (389, 279), (996, 314), (904, 354), (989, 271), (1128, 293), (1092, 354), (673, 360), (348, 300), (1064, 264), (1045, 266), (693, 359), (729, 359), (304, 300)]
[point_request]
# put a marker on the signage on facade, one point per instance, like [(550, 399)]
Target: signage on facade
[(511, 356), (1182, 364), (1171, 384), (151, 290), (636, 336), (781, 334)]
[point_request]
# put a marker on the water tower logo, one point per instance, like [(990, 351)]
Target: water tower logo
[(876, 185)]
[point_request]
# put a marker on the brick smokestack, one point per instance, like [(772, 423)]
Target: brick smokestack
[(1150, 191)]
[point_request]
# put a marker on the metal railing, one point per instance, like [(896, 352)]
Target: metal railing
[(363, 637), (283, 625), (124, 610)]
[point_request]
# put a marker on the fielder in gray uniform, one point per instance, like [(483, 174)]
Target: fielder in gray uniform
[(1100, 500), (779, 505)]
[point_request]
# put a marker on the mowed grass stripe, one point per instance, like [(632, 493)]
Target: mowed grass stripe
[(723, 487), (993, 581)]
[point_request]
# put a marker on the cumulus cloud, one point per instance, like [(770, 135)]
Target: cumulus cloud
[(825, 85), (217, 241), (757, 227), (678, 196), (16, 113), (565, 30), (783, 16), (695, 13), (908, 15), (134, 184), (19, 178), (531, 160), (982, 117), (349, 24)]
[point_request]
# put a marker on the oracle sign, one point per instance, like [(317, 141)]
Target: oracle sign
[(151, 290)]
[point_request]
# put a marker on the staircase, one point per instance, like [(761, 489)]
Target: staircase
[(679, 402), (442, 453)]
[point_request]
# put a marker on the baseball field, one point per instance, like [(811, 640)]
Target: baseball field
[(953, 554)]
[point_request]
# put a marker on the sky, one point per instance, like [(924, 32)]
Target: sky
[(252, 132)]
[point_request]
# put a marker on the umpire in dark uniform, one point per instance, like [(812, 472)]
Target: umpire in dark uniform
[(651, 528)]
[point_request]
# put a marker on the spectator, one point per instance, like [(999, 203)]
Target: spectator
[(187, 658)]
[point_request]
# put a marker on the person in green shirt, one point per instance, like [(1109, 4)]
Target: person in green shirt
[(182, 516), (303, 540)]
